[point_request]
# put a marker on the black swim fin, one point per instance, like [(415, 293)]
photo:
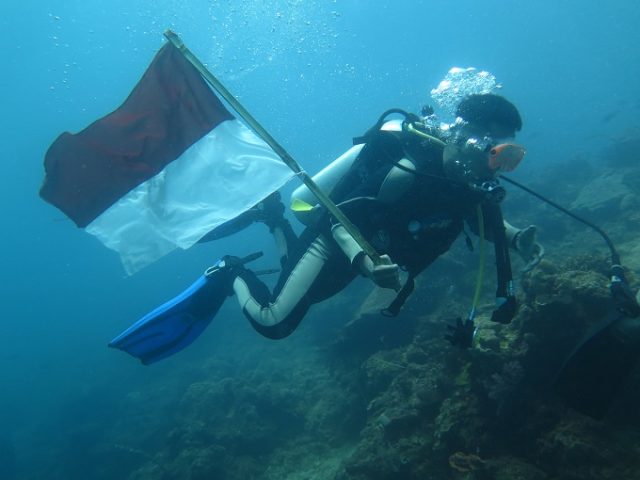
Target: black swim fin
[(177, 323), (599, 367)]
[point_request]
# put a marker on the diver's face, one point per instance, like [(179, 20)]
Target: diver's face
[(484, 150), (467, 162)]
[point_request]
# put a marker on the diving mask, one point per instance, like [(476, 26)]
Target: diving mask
[(506, 156), (476, 161), (501, 156)]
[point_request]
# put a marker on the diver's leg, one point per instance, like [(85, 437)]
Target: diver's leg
[(320, 272)]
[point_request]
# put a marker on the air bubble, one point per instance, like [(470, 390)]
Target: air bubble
[(460, 83)]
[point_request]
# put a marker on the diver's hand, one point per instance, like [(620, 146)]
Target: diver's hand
[(386, 274), (461, 334), (526, 244)]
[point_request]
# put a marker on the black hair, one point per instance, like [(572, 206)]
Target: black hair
[(487, 108)]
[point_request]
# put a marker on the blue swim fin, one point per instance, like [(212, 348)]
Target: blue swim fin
[(175, 324)]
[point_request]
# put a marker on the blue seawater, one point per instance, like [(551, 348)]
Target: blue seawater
[(315, 73)]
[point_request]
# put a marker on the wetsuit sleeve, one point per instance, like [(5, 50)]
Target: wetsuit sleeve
[(511, 231), (346, 242), (396, 184)]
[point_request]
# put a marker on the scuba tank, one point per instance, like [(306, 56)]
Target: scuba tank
[(304, 204)]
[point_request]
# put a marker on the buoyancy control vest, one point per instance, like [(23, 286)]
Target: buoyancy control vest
[(424, 221)]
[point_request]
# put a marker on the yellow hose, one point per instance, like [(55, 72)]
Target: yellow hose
[(431, 138)]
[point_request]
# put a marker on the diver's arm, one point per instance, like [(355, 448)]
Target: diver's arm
[(346, 242), (525, 242), (397, 183), (521, 240), (511, 231), (385, 274)]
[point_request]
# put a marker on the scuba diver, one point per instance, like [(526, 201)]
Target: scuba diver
[(409, 185)]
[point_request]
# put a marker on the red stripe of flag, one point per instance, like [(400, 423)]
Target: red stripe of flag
[(169, 109)]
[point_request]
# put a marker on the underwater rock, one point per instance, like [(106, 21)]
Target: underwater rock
[(205, 463), (245, 418), (307, 458), (487, 338), (459, 425), (466, 462), (579, 286), (230, 428), (631, 252), (569, 443), (380, 369), (335, 416), (623, 152), (502, 386), (397, 439), (406, 377), (379, 458), (510, 468), (367, 334), (580, 448), (604, 194)]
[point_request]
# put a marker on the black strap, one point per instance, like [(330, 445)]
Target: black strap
[(493, 214), (409, 117), (505, 299), (394, 308)]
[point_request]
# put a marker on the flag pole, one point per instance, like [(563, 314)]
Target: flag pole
[(322, 197)]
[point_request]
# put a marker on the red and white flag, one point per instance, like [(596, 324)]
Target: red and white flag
[(168, 166)]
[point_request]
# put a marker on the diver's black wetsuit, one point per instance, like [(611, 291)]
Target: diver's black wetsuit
[(413, 217)]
